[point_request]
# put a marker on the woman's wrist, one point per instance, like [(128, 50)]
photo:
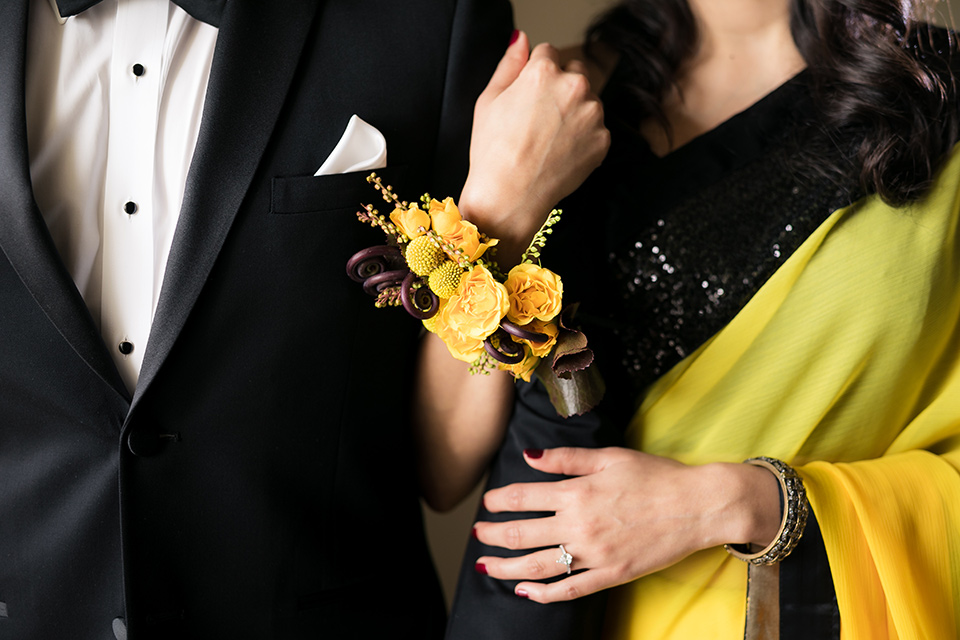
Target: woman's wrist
[(497, 221), (752, 509), (793, 515)]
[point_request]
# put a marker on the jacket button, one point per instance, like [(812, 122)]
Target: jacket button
[(119, 629), (143, 443), (148, 443)]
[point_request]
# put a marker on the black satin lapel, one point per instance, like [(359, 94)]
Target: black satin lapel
[(24, 236), (258, 48)]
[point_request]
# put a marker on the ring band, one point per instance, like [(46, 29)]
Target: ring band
[(565, 559)]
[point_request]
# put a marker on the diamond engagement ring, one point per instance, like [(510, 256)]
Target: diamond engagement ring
[(565, 559)]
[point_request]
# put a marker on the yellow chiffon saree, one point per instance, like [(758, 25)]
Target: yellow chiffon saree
[(846, 364)]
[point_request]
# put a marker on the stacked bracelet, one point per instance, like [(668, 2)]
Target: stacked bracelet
[(795, 510)]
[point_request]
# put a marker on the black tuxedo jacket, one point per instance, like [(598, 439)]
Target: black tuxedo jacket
[(285, 506)]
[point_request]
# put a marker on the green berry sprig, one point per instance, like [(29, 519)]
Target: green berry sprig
[(532, 254)]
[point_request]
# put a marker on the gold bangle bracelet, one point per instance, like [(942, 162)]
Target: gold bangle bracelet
[(794, 520)]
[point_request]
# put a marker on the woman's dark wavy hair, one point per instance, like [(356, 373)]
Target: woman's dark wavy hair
[(876, 76)]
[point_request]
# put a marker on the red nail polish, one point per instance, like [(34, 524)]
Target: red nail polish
[(522, 593), (533, 454), (514, 36), (480, 568), (473, 533)]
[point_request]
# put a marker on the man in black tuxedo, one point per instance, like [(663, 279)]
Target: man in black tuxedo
[(256, 481)]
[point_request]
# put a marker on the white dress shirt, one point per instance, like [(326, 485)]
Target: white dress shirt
[(114, 97)]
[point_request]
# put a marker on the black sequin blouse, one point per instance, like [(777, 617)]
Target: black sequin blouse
[(687, 239)]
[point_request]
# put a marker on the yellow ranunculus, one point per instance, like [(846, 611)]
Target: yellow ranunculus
[(535, 292), (472, 314), (411, 220), (463, 235), (541, 349)]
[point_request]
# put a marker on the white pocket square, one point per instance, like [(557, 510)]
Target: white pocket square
[(361, 148)]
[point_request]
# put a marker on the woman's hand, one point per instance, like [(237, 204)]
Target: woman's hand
[(537, 134), (628, 514)]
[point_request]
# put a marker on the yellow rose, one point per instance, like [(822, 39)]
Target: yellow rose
[(472, 314), (460, 346), (534, 292), (409, 221), (479, 304), (445, 216), (463, 235), (468, 240), (540, 349), (525, 368)]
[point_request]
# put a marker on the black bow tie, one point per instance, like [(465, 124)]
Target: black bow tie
[(204, 10)]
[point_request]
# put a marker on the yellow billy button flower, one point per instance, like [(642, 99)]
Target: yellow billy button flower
[(423, 256), (535, 293), (410, 220), (472, 314), (445, 279), (463, 235)]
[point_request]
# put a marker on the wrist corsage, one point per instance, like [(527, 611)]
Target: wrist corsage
[(443, 271)]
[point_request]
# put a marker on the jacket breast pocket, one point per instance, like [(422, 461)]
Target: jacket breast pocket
[(326, 194)]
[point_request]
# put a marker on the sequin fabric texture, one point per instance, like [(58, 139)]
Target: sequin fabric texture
[(691, 237), (687, 273)]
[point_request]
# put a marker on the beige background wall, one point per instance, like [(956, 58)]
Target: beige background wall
[(561, 22)]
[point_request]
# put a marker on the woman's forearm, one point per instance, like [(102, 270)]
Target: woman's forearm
[(538, 133), (459, 420)]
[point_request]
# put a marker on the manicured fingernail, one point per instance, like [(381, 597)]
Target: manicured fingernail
[(514, 36), (533, 454), (522, 593), (480, 568), (473, 532)]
